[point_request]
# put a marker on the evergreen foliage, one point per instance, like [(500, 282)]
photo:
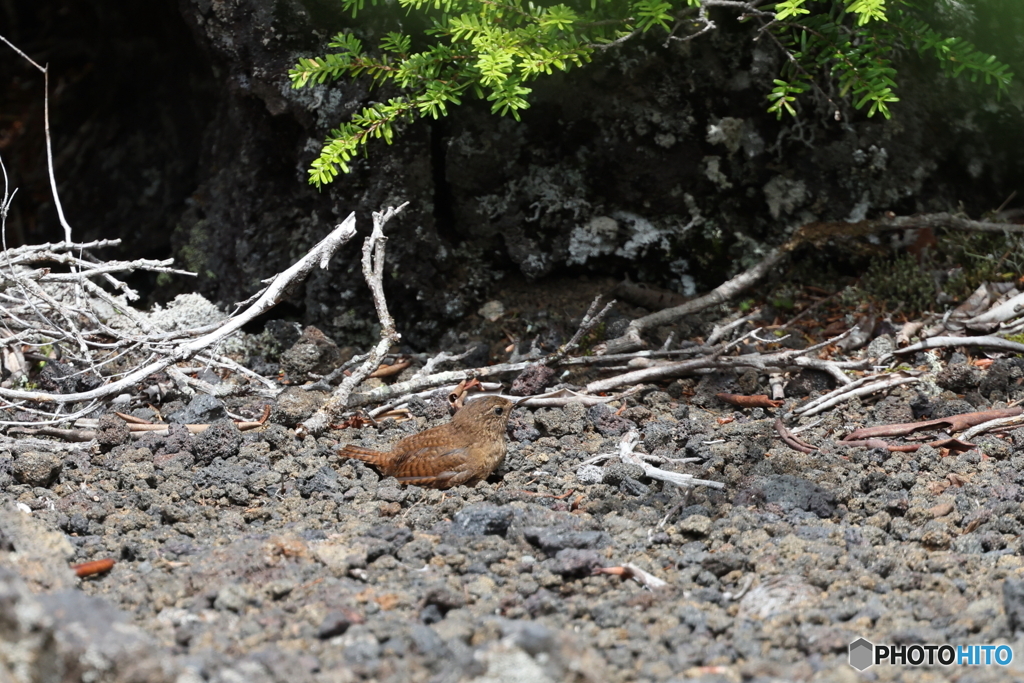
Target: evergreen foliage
[(493, 49)]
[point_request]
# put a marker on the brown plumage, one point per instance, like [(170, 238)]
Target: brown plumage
[(463, 451)]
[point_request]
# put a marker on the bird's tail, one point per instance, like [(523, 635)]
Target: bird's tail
[(365, 454)]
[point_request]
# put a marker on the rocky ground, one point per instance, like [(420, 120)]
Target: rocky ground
[(260, 557)]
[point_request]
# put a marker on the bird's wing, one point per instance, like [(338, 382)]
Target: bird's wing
[(430, 462)]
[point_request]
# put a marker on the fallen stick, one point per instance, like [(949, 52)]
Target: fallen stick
[(942, 342), (626, 453), (631, 571), (952, 444), (954, 423), (86, 430), (631, 340), (790, 440), (92, 568), (861, 387), (780, 360), (992, 424), (744, 401)]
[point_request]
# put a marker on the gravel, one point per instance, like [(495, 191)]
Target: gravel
[(259, 557)]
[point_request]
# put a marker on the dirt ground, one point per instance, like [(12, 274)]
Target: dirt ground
[(258, 556)]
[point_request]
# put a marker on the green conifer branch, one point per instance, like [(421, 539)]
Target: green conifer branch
[(492, 49)]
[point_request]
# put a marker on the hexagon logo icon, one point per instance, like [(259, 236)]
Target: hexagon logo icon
[(862, 654)]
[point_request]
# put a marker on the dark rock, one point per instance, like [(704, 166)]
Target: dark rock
[(437, 407), (112, 431), (219, 440), (417, 552), (313, 353), (444, 599), (607, 423), (532, 380), (561, 422), (78, 524), (215, 479), (64, 378), (178, 440), (385, 539), (336, 623), (427, 642), (482, 519), (922, 408), (1002, 376), (633, 487), (959, 378), (721, 563), (324, 480), (295, 404), (807, 382), (543, 602), (952, 407), (431, 614), (521, 427), (617, 472), (794, 492), (576, 562), (37, 468), (658, 434), (282, 334), (279, 437), (533, 637), (555, 538), (399, 535), (6, 470), (202, 409), (174, 462)]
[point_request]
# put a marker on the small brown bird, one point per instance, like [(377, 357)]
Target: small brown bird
[(463, 451)]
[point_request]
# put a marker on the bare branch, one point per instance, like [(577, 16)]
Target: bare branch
[(49, 155), (812, 232), (588, 323), (943, 342), (627, 446), (442, 357), (861, 387), (631, 339), (23, 55), (373, 273), (780, 360), (183, 351)]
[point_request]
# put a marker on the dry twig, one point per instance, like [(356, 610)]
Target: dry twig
[(792, 440), (627, 454), (862, 387), (631, 571), (944, 342), (814, 233), (167, 355), (373, 272), (953, 423)]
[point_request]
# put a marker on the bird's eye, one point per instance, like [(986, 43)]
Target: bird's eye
[(499, 411)]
